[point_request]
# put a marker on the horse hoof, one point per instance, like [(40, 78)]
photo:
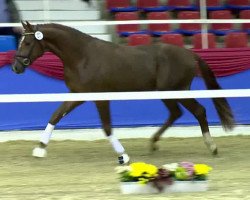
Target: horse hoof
[(214, 150), (39, 152), (154, 147), (123, 159)]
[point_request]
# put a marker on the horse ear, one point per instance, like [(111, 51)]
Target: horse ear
[(23, 24), (29, 26)]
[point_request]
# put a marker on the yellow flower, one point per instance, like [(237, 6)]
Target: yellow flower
[(143, 180), (142, 169), (202, 169)]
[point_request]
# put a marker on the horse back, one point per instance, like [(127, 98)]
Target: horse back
[(109, 67)]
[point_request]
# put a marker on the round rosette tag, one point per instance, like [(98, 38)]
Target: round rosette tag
[(38, 35)]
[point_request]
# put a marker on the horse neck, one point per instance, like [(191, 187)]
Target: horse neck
[(65, 44)]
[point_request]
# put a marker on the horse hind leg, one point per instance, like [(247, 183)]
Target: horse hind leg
[(63, 110), (103, 108), (174, 113), (200, 114)]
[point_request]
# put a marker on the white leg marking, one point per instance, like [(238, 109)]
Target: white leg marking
[(119, 149), (39, 152), (45, 137), (117, 146), (209, 141), (46, 134)]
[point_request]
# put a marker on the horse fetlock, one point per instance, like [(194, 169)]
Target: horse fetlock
[(210, 143), (39, 152), (153, 144), (42, 145), (123, 159), (212, 147), (154, 147), (155, 138)]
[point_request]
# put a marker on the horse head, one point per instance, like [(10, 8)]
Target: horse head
[(30, 47)]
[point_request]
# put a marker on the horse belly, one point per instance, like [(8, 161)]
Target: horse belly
[(135, 81), (134, 84), (141, 77), (114, 82)]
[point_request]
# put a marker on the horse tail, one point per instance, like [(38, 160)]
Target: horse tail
[(222, 107)]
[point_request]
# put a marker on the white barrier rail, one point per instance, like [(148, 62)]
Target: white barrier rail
[(15, 98), (174, 21)]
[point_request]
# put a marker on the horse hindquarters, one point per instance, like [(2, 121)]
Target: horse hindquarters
[(176, 70)]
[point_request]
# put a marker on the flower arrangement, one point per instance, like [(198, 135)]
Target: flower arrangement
[(137, 172), (186, 171), (167, 174)]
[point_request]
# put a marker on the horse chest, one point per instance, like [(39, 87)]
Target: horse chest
[(76, 81)]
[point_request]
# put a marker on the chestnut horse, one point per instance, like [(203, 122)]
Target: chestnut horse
[(93, 65)]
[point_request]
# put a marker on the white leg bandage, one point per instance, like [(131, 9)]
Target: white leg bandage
[(46, 135), (117, 146)]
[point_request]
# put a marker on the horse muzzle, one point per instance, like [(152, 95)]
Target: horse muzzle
[(20, 64), (18, 68)]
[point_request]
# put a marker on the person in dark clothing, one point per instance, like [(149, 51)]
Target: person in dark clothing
[(9, 13), (13, 12)]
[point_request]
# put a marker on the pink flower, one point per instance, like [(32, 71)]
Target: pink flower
[(189, 167)]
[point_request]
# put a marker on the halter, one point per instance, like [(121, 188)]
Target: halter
[(25, 61)]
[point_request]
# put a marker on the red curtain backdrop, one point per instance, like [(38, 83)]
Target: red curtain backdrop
[(223, 61)]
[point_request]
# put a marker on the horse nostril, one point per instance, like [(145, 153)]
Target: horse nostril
[(13, 68)]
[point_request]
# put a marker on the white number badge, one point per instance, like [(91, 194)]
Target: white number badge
[(38, 35)]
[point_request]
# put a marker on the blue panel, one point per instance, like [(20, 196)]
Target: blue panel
[(128, 33), (222, 32), (237, 7), (124, 113), (183, 8), (156, 9), (7, 43), (187, 32), (126, 9)]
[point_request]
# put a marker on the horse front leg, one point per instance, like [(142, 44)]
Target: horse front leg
[(63, 110), (103, 108)]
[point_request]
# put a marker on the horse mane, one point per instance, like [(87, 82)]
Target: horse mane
[(62, 27)]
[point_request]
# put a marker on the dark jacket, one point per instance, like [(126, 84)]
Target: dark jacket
[(13, 12)]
